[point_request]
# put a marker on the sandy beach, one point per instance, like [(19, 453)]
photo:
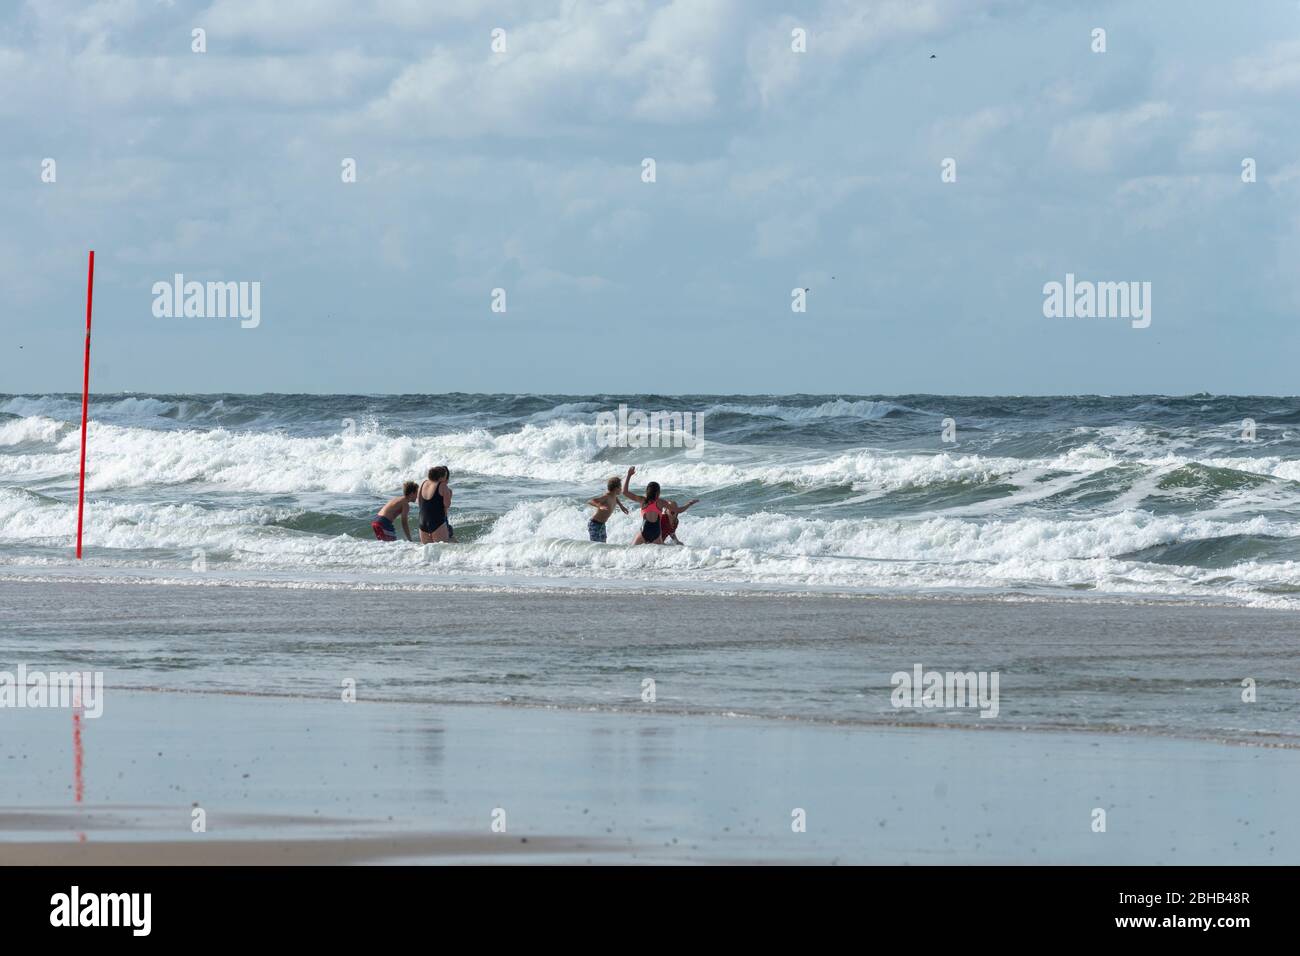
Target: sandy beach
[(286, 771)]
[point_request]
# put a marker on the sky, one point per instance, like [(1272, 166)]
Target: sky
[(521, 169)]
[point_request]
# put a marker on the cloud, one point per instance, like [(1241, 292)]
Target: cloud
[(1275, 70), (781, 236), (522, 170), (1218, 131), (308, 23), (588, 65), (845, 31), (93, 80), (1098, 142), (959, 135)]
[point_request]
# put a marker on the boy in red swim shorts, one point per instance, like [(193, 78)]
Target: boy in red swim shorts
[(382, 526)]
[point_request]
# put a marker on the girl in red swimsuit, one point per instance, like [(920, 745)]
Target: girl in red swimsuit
[(650, 510)]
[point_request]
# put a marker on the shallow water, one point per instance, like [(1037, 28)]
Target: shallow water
[(1105, 667)]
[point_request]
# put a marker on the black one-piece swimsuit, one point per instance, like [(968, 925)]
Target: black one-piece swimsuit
[(433, 513), (650, 529)]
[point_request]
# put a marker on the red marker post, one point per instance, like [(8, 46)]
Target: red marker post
[(85, 401)]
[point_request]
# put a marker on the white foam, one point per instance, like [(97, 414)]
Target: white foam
[(125, 409), (837, 408), (586, 410), (547, 539), (369, 462), (36, 428)]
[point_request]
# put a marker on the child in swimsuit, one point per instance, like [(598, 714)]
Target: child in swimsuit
[(604, 506), (651, 510), (668, 523), (382, 526)]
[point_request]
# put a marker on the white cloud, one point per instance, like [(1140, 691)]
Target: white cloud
[(1097, 142), (1218, 130), (307, 21), (960, 135), (94, 79), (589, 64), (781, 236), (1275, 70), (845, 30)]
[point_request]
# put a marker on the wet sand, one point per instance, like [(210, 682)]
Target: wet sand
[(285, 780)]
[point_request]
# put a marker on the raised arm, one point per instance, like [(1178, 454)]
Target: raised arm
[(693, 501), (627, 486)]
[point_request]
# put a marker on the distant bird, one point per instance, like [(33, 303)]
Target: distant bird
[(932, 56)]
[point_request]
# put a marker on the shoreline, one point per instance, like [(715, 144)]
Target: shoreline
[(1267, 742), (580, 587), (1163, 670)]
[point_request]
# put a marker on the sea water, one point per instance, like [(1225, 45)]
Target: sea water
[(1192, 498)]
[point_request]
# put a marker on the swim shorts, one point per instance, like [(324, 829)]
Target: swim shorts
[(383, 528), (596, 531)]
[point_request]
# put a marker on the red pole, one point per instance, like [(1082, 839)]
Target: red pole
[(85, 402)]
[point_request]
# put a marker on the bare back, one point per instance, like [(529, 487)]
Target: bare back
[(396, 506), (604, 506)]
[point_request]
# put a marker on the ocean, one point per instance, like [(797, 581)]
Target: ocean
[(1116, 498), (1122, 564)]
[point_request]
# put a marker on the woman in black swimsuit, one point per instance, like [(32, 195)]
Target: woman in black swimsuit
[(435, 503)]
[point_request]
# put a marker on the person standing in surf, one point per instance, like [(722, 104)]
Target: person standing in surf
[(435, 505), (382, 526), (604, 506), (651, 512)]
